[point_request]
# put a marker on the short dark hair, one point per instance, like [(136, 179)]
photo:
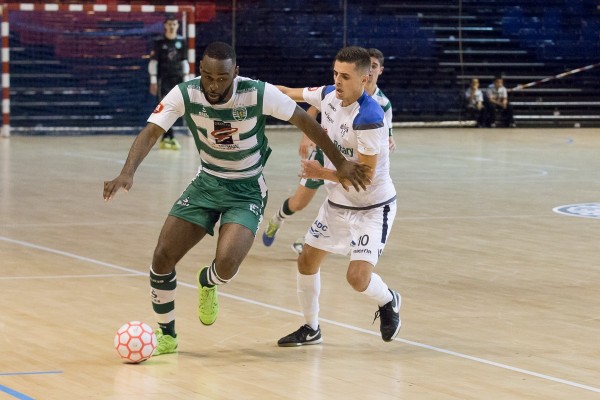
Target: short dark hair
[(376, 53), (171, 17), (220, 51), (355, 55)]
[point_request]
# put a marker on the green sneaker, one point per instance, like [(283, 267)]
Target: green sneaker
[(175, 144), (165, 344), (165, 144), (208, 302), (270, 232)]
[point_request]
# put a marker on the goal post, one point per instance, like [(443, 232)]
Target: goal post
[(81, 68)]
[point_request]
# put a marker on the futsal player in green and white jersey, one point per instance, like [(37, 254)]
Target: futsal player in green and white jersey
[(226, 114), (307, 188)]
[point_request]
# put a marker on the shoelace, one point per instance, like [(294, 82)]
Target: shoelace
[(272, 228), (376, 316)]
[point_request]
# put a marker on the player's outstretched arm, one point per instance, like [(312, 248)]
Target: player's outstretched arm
[(347, 171), (139, 150), (306, 145), (294, 93)]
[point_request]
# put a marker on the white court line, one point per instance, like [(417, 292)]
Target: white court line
[(15, 278), (340, 324)]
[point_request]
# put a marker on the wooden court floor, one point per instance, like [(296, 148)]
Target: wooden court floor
[(501, 295)]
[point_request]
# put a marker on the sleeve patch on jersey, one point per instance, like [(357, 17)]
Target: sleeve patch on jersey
[(158, 108)]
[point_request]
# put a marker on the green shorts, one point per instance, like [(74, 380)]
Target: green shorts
[(317, 155), (208, 199)]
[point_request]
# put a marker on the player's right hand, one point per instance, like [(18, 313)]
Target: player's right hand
[(112, 187), (355, 174)]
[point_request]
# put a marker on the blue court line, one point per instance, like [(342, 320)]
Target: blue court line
[(30, 373), (19, 395), (14, 393)]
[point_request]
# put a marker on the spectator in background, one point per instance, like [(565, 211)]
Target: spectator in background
[(168, 67), (474, 100), (496, 98)]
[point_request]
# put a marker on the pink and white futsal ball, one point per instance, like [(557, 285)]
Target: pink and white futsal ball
[(135, 342)]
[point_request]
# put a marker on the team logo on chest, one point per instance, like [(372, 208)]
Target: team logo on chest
[(240, 113), (343, 129)]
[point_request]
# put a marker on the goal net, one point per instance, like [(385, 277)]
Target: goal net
[(76, 69)]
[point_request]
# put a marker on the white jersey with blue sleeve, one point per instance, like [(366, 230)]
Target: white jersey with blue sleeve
[(357, 128)]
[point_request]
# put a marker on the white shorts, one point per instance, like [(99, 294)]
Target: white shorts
[(362, 233)]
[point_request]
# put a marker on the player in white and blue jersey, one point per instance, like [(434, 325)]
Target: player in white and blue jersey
[(348, 222), (307, 188)]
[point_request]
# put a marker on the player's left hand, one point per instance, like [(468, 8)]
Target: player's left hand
[(311, 169), (305, 147)]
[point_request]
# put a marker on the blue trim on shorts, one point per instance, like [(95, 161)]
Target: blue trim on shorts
[(332, 204), (385, 227)]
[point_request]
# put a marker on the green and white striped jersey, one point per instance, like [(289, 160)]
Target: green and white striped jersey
[(230, 137), (386, 105)]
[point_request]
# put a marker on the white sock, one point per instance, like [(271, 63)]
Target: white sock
[(378, 290), (309, 289), (277, 218)]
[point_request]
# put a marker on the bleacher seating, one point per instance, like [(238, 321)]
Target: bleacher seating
[(432, 50)]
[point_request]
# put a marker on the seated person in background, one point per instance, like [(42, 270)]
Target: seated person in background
[(474, 98), (496, 98)]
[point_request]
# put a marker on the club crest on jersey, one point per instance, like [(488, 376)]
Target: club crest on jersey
[(343, 130), (240, 113), (158, 108)]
